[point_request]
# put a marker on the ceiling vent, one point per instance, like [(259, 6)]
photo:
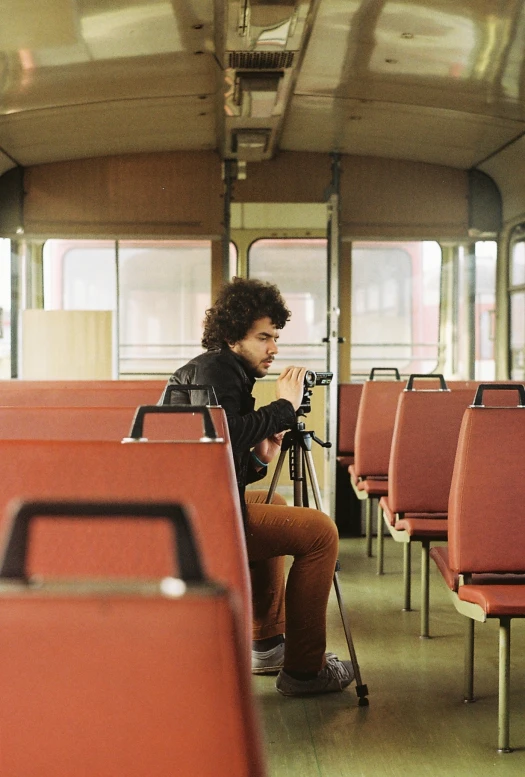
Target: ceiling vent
[(260, 60)]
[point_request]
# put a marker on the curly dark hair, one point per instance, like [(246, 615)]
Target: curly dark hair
[(240, 303)]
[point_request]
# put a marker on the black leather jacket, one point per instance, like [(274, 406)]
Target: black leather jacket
[(225, 371)]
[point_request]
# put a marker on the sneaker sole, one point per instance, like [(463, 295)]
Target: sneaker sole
[(267, 669)]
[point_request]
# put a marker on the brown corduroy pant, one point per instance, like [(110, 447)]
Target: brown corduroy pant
[(298, 609)]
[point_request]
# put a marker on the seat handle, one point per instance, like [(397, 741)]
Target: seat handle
[(519, 387), (434, 376), (21, 514), (187, 387), (384, 370), (137, 426)]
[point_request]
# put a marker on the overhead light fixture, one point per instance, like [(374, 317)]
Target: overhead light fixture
[(250, 144), (256, 93)]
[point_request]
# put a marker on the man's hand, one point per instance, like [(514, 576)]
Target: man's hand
[(290, 385), (269, 448)]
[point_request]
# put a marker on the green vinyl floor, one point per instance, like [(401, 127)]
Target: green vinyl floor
[(416, 722)]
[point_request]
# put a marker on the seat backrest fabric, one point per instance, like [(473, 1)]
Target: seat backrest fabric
[(349, 396), (119, 684), (424, 443), (487, 496), (375, 425)]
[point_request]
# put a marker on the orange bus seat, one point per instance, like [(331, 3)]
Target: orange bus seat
[(373, 437), (86, 394), (486, 541), (424, 445), (142, 678), (198, 474)]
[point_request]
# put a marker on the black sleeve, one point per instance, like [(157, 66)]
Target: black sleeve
[(253, 427)]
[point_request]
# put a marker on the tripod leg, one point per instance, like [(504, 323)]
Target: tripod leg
[(313, 479), (276, 476), (360, 688)]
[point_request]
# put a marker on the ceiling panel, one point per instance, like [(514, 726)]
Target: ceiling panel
[(438, 136), (125, 126)]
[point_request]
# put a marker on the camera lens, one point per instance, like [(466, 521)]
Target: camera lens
[(309, 378)]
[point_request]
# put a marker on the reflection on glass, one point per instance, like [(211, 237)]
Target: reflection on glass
[(299, 269), (395, 306)]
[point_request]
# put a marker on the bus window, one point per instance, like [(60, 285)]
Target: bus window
[(164, 290), (299, 269), (517, 307), (486, 257), (80, 275), (5, 308), (160, 289), (395, 306)]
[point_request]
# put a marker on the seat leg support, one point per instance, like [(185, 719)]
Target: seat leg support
[(407, 577), (504, 686), (368, 526), (425, 588), (380, 539), (468, 691)]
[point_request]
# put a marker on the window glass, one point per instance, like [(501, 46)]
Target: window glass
[(299, 269), (517, 264), (517, 336), (486, 258), (80, 275), (517, 307), (5, 309), (164, 290), (395, 306)]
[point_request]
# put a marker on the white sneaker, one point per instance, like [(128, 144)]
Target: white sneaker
[(268, 661), (334, 676)]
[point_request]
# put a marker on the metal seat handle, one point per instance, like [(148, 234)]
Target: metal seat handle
[(14, 552), (386, 370), (434, 376), (137, 427), (519, 387)]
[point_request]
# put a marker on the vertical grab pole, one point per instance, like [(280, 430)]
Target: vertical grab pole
[(332, 336), (229, 170)]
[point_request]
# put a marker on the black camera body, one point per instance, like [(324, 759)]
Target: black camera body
[(312, 379)]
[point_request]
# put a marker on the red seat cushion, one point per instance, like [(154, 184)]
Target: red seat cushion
[(424, 527), (496, 600)]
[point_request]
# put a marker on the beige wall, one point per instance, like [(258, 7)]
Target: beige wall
[(264, 393), (133, 195), (67, 344), (181, 193)]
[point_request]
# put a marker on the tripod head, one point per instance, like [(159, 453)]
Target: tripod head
[(312, 379)]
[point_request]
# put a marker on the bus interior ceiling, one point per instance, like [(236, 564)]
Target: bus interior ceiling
[(437, 86)]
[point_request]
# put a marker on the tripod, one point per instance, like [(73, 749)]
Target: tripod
[(297, 442)]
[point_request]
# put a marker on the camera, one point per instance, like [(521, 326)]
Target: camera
[(312, 379)]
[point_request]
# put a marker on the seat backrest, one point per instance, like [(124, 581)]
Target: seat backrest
[(16, 383), (99, 423), (136, 685), (85, 394), (424, 442), (487, 494), (349, 395), (198, 474), (375, 425)]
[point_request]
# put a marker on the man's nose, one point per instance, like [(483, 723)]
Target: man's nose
[(273, 347)]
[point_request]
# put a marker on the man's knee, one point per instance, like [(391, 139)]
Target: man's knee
[(254, 496)]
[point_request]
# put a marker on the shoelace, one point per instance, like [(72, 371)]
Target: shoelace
[(335, 667)]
